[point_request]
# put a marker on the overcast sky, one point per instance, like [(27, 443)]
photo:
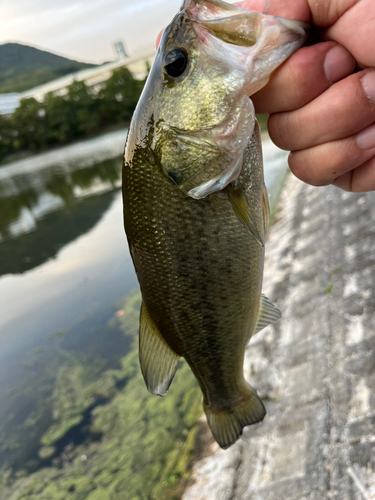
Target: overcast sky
[(85, 30)]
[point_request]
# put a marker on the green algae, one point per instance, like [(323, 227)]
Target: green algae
[(46, 452), (328, 288), (137, 446)]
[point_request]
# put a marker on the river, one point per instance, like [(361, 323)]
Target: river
[(64, 268)]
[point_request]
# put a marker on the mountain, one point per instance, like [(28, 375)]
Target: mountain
[(23, 67)]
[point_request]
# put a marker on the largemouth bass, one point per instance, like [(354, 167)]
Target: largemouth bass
[(195, 204)]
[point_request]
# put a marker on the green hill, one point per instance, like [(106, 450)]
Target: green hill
[(23, 67)]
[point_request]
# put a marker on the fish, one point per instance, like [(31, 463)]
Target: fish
[(196, 210)]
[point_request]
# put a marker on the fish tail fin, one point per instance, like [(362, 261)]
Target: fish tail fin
[(227, 425)]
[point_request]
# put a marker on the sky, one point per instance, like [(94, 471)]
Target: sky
[(85, 30)]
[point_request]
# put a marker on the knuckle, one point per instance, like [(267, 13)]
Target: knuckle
[(307, 169), (282, 130)]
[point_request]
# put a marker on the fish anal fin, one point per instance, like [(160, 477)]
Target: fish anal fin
[(243, 212), (158, 361), (268, 313), (227, 425)]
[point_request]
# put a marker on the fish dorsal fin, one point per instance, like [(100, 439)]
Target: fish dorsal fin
[(268, 313), (158, 361), (243, 211), (265, 210)]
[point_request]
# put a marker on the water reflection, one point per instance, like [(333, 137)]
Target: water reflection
[(64, 266), (20, 212), (55, 217)]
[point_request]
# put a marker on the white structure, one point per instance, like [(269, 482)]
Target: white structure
[(9, 103), (120, 50), (93, 76)]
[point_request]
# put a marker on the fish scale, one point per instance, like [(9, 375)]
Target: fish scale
[(190, 256)]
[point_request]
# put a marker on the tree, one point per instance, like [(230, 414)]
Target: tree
[(72, 115), (29, 121), (9, 141), (84, 108), (119, 96), (58, 118), (78, 113)]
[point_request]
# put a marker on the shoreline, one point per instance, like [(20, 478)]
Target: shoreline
[(24, 155), (314, 368)]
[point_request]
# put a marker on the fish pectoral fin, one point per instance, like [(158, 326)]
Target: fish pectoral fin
[(226, 426), (158, 361), (268, 313), (244, 214)]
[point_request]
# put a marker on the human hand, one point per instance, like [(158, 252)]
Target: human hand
[(321, 110)]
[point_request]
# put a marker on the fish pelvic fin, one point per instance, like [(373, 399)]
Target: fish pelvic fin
[(227, 425), (268, 313), (158, 361)]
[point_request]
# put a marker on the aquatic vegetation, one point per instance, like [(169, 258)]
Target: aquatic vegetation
[(135, 446)]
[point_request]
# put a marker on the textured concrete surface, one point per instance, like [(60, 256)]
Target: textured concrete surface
[(315, 368)]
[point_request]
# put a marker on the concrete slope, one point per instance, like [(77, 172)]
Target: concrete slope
[(315, 368)]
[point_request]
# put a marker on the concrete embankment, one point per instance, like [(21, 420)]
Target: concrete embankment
[(315, 368)]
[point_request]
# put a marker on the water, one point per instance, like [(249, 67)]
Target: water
[(64, 268), (64, 264)]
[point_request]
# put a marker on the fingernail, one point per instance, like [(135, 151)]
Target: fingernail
[(366, 138), (368, 84), (338, 64)]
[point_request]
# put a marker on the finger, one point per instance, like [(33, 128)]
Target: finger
[(158, 38), (254, 5), (359, 180), (307, 74), (296, 9), (323, 164), (349, 22), (355, 29), (343, 110)]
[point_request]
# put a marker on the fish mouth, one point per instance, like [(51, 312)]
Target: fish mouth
[(218, 11), (254, 40), (297, 27), (284, 31), (279, 38)]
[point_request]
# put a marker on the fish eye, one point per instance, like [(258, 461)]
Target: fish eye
[(175, 62)]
